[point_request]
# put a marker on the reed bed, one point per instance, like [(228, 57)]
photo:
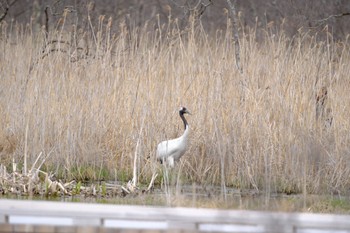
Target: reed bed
[(89, 101)]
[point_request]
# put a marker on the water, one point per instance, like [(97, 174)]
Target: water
[(212, 197)]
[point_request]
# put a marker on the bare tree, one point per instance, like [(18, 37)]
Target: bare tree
[(194, 8), (235, 35)]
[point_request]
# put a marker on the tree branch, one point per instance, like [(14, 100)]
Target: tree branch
[(2, 17), (333, 16)]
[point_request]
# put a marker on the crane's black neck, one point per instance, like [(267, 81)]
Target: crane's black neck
[(183, 119)]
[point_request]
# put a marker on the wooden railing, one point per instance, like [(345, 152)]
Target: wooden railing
[(45, 216)]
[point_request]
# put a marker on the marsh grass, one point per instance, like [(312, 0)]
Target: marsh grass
[(84, 100)]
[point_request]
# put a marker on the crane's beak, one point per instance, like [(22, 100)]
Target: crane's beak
[(188, 112)]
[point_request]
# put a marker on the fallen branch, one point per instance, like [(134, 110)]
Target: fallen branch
[(151, 184)]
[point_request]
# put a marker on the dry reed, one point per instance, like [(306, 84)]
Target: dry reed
[(84, 101)]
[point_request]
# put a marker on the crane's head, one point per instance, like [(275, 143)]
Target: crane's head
[(184, 110)]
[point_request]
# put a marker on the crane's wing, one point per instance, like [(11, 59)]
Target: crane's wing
[(168, 148)]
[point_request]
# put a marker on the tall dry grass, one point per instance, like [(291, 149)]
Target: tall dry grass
[(82, 98)]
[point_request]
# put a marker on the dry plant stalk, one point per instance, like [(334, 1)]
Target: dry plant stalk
[(89, 112)]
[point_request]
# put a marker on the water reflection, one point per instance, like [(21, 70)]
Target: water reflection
[(212, 197)]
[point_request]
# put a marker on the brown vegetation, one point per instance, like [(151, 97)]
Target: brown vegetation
[(81, 97)]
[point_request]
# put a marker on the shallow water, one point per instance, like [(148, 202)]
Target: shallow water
[(213, 197)]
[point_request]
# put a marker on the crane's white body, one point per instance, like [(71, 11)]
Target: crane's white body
[(170, 151)]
